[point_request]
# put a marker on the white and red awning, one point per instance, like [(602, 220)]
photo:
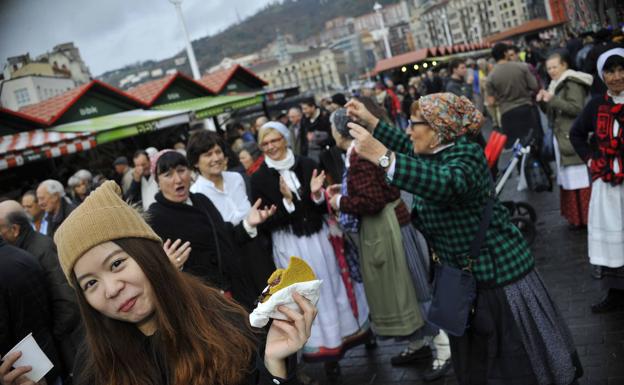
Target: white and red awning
[(26, 147)]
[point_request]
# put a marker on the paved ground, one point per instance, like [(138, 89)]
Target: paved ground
[(561, 256)]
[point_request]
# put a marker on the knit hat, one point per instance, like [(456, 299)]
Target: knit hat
[(450, 115), (154, 160), (102, 217)]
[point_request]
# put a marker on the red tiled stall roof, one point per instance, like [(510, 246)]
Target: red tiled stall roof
[(150, 91), (217, 81), (534, 25), (401, 60), (50, 110), (6, 114)]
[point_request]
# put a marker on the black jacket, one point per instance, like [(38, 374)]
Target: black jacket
[(321, 124), (55, 222), (307, 218), (215, 255), (66, 324), (25, 304)]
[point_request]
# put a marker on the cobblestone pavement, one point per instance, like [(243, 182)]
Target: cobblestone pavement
[(561, 257)]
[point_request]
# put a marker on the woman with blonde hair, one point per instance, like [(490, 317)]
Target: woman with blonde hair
[(293, 184)]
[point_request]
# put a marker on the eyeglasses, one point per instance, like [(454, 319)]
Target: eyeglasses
[(414, 122), (273, 142)]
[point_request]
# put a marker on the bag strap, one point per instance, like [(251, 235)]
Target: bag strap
[(475, 245)]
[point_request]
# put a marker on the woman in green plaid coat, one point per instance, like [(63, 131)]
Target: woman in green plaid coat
[(516, 333)]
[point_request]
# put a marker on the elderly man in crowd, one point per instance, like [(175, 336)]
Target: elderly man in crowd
[(143, 188), (299, 141), (25, 305), (51, 197), (16, 230), (34, 211), (123, 173)]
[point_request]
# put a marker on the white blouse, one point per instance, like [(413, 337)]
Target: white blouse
[(232, 202)]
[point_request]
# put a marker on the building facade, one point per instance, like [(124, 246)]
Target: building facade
[(22, 91), (316, 70), (450, 22), (64, 61)]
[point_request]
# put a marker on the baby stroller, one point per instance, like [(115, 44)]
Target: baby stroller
[(523, 215)]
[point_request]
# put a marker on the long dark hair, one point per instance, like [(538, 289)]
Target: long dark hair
[(202, 337)]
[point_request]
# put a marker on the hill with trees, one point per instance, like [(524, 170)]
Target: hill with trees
[(299, 18)]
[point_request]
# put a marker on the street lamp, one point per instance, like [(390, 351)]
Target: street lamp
[(189, 47), (377, 8)]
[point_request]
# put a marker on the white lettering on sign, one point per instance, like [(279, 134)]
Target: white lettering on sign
[(90, 110), (173, 96)]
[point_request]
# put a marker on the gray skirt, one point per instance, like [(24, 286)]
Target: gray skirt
[(544, 332)]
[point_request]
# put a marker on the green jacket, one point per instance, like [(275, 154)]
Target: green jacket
[(566, 104), (451, 189)]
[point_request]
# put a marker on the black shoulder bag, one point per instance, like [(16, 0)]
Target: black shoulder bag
[(455, 290)]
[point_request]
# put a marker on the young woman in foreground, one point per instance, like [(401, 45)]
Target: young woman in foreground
[(146, 322)]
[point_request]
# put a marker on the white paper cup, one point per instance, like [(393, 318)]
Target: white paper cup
[(32, 355)]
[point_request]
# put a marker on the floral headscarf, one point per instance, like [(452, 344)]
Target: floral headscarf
[(451, 116)]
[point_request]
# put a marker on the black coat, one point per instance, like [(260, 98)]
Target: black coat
[(25, 304), (307, 218), (55, 222), (321, 124), (66, 322), (215, 255)]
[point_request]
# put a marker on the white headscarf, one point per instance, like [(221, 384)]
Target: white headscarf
[(280, 127), (602, 59)]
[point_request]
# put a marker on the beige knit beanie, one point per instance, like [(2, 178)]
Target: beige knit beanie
[(102, 217)]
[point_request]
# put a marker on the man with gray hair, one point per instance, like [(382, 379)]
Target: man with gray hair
[(51, 197), (15, 229)]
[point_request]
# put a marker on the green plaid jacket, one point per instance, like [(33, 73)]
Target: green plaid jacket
[(451, 189)]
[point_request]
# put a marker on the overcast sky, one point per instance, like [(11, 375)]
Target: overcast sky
[(112, 33)]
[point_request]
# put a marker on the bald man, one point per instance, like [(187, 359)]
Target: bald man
[(15, 229)]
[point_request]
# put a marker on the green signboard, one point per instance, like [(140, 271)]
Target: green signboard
[(210, 106), (94, 104), (123, 125), (181, 89)]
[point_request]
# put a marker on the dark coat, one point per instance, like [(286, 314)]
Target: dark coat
[(333, 163), (25, 304), (55, 222), (215, 256), (321, 124), (307, 218), (66, 322)]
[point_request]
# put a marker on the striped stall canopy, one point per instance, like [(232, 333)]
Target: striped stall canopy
[(31, 146)]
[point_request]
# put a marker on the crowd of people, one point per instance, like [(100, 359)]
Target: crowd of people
[(148, 279)]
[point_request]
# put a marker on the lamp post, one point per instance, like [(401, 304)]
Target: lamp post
[(377, 7), (189, 47)]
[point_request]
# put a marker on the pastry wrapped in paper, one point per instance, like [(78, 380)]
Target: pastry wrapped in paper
[(297, 277)]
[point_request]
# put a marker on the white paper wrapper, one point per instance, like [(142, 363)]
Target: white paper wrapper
[(311, 290)]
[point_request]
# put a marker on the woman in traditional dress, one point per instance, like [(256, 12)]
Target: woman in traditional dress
[(297, 229), (604, 153), (563, 101), (516, 335), (390, 249)]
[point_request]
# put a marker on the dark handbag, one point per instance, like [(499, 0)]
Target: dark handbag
[(547, 151), (455, 290), (535, 172)]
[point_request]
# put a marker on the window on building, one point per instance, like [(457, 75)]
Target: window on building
[(22, 97), (513, 12)]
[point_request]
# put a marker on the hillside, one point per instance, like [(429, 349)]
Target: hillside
[(300, 18)]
